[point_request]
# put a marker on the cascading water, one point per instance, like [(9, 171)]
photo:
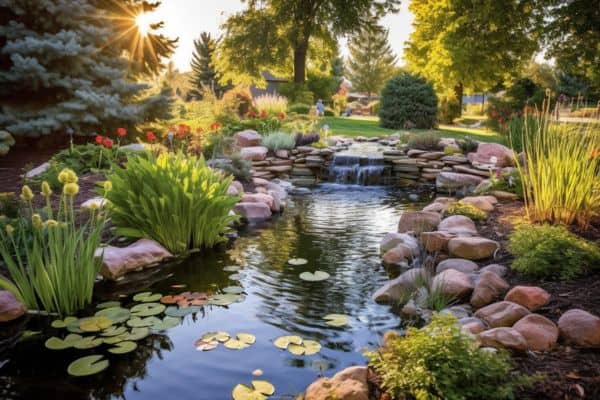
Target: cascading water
[(358, 170)]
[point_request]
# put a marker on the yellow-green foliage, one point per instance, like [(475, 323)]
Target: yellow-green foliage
[(279, 140), (271, 104), (468, 210), (176, 200), (440, 361)]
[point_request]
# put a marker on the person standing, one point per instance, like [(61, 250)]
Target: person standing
[(320, 108)]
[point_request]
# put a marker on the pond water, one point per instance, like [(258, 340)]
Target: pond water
[(336, 228)]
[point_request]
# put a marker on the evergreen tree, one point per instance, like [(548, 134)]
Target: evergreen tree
[(203, 70), (371, 60), (61, 68)]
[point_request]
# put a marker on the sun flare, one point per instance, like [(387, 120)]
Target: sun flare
[(143, 22)]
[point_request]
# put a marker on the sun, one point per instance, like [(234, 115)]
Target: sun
[(143, 22)]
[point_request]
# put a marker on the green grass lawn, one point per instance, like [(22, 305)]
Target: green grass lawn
[(369, 127)]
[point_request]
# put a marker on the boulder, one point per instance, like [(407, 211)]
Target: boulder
[(472, 325), (436, 241), (459, 264), (453, 283), (489, 287), (452, 181), (418, 221), (484, 203), (503, 195), (507, 338), (540, 333), (580, 328), (459, 311), (259, 198), (472, 248), (498, 269), (247, 138), (10, 307), (255, 153), (117, 261), (399, 288), (253, 211), (348, 384), (277, 202), (282, 153), (392, 239), (493, 154), (235, 189), (530, 297), (40, 169), (94, 203), (503, 313), (398, 255), (458, 225), (435, 207)]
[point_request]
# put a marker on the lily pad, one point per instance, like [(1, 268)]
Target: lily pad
[(88, 342), (115, 314), (174, 311), (147, 309), (138, 334), (218, 336), (169, 299), (243, 392), (231, 268), (95, 324), (284, 341), (311, 347), (235, 277), (263, 387), (109, 304), (147, 297), (297, 261), (62, 323), (123, 347), (336, 319), (201, 345), (116, 339), (137, 322), (247, 338), (87, 365), (314, 276), (73, 326), (235, 344), (55, 343), (233, 289), (166, 323), (114, 331), (224, 299), (296, 349)]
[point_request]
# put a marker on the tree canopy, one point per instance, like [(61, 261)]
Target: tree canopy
[(203, 70)]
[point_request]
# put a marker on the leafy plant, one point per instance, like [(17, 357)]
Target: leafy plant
[(279, 140), (271, 104), (448, 110), (467, 145), (235, 165), (468, 210), (545, 251), (177, 201), (6, 141), (300, 108), (440, 361), (424, 141), (58, 269), (9, 205)]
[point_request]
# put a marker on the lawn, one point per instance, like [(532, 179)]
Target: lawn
[(369, 127)]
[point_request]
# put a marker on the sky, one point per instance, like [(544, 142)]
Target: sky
[(186, 19)]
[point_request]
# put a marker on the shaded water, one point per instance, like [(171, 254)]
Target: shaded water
[(336, 228)]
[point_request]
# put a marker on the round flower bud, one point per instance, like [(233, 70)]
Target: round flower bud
[(9, 229), (51, 223), (107, 186), (26, 193), (71, 189), (36, 220), (67, 176), (46, 191)]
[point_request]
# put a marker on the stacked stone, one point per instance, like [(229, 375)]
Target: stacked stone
[(310, 164)]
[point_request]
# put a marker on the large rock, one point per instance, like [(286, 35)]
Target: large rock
[(10, 307), (472, 248), (255, 153), (397, 256), (489, 287), (580, 328), (260, 198), (40, 169), (247, 138), (530, 297), (458, 225), (392, 239), (492, 153), (498, 269), (459, 264), (453, 181), (348, 384), (235, 188), (436, 241), (507, 338), (453, 283), (117, 261), (484, 203), (399, 288), (540, 333), (503, 313), (253, 211), (472, 324), (418, 221)]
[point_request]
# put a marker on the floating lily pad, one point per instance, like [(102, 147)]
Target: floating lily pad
[(297, 261), (201, 345), (138, 334), (88, 342), (235, 277), (123, 347), (94, 324), (247, 338), (284, 341), (235, 344), (263, 387), (174, 311), (147, 297), (88, 365), (231, 268), (166, 323), (117, 339), (169, 299), (218, 336), (147, 309), (116, 314), (62, 323), (55, 343), (336, 319), (109, 304), (314, 276), (311, 347), (296, 349), (260, 390), (225, 299), (137, 322), (233, 289), (113, 331)]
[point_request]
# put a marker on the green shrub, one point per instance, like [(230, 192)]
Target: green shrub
[(296, 93), (235, 166), (468, 210), (51, 262), (467, 145), (448, 110), (279, 140), (440, 361), (408, 100), (424, 141), (177, 201), (545, 251), (300, 108), (329, 112)]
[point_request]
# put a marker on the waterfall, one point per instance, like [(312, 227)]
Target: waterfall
[(358, 170)]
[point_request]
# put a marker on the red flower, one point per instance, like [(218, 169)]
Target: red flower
[(99, 139), (251, 114), (121, 132), (150, 136), (595, 154), (199, 130), (263, 114), (215, 126), (281, 115), (107, 143)]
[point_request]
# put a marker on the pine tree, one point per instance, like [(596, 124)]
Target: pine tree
[(61, 68), (203, 70), (372, 60)]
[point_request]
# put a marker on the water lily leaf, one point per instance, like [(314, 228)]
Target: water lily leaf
[(109, 304), (137, 322), (235, 344), (235, 277), (297, 261), (233, 289), (243, 392), (94, 324), (170, 299), (113, 331), (201, 345), (218, 336), (174, 311), (314, 276), (116, 314), (224, 299), (311, 347), (55, 343), (246, 338), (284, 341), (166, 323), (147, 297), (232, 268), (62, 323), (138, 334), (116, 339), (73, 326), (88, 365), (147, 309), (88, 343), (336, 319), (123, 347), (295, 349), (263, 387)]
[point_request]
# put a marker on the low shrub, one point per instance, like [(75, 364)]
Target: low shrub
[(448, 110), (505, 181), (235, 166), (306, 139), (440, 361), (551, 252), (468, 210), (279, 140), (176, 200), (300, 108), (467, 145), (424, 141)]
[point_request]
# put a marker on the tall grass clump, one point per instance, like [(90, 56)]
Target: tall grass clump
[(50, 258), (271, 104), (278, 141), (561, 172), (176, 200)]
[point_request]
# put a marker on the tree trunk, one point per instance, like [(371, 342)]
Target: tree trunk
[(458, 90), (483, 103), (300, 63)]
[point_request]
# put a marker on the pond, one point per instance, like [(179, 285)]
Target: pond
[(337, 228)]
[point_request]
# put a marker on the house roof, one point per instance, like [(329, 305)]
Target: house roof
[(269, 77)]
